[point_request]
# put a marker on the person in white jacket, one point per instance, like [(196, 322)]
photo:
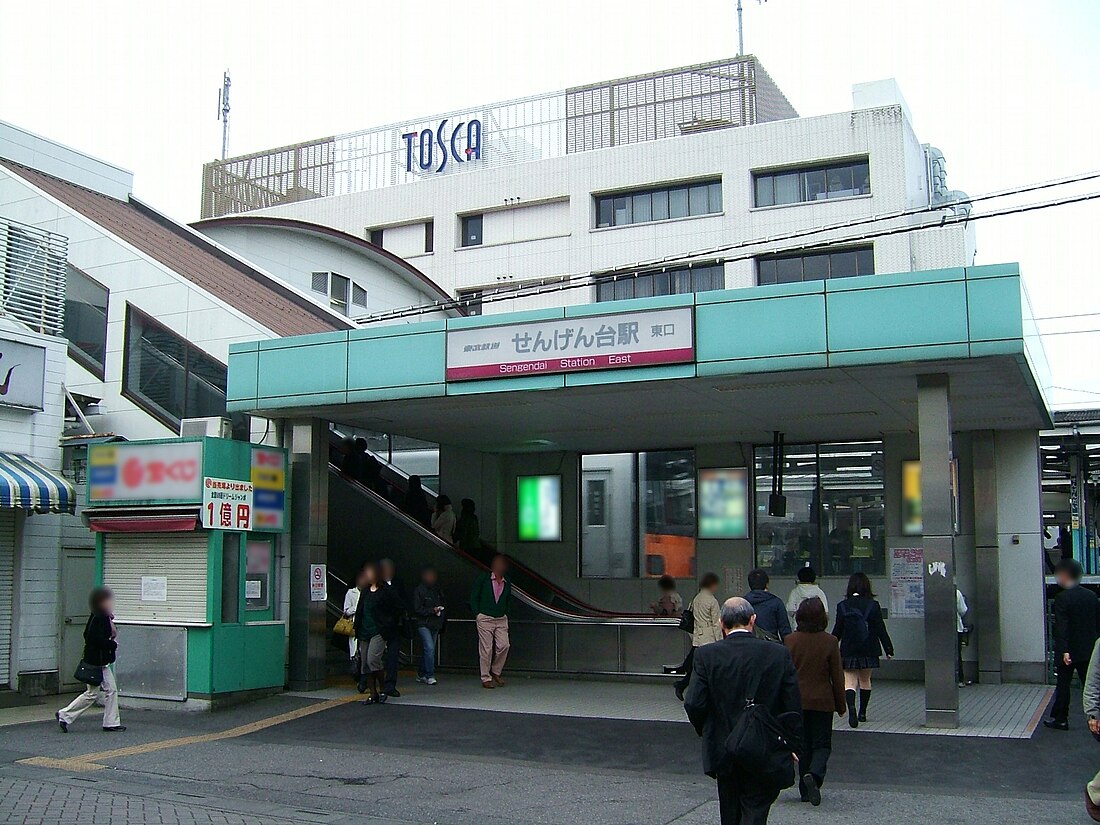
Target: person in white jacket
[(805, 589), (351, 602)]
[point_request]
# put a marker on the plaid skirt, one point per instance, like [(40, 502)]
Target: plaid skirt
[(860, 662)]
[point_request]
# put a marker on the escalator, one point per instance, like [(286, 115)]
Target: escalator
[(551, 630)]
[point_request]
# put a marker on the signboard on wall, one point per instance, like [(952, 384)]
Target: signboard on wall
[(907, 583), (539, 504), (318, 586), (724, 503), (596, 342), (912, 503), (269, 489), (22, 374), (226, 504), (171, 471)]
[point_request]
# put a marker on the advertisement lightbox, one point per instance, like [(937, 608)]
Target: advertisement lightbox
[(724, 503), (539, 504)]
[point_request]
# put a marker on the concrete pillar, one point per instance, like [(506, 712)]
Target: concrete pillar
[(941, 691), (986, 599), (308, 442)]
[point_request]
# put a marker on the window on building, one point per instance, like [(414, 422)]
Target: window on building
[(470, 299), (701, 278), (835, 517), (815, 266), (813, 183), (358, 295), (167, 376), (638, 514), (339, 289), (376, 236), (429, 236), (86, 320), (648, 205), (471, 230)]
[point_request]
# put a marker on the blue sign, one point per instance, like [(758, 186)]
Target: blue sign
[(427, 142)]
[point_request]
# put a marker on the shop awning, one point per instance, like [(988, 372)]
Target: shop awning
[(25, 485)]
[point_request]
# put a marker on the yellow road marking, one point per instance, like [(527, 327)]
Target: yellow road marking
[(92, 761)]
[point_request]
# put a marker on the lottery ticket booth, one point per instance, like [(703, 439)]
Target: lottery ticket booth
[(187, 538)]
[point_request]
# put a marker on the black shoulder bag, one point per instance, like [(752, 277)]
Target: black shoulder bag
[(760, 746), (87, 674), (687, 620)]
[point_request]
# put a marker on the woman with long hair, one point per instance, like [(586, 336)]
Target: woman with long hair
[(863, 640), (99, 652), (816, 656)]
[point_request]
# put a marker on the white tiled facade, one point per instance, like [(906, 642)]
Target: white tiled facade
[(36, 434), (540, 222)]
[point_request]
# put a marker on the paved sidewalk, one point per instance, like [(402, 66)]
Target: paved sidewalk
[(994, 711)]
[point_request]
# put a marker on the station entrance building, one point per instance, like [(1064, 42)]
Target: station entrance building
[(896, 415)]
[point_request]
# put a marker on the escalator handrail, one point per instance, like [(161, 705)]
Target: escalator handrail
[(598, 615), (397, 472)]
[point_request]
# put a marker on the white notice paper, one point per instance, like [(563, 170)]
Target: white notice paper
[(154, 589)]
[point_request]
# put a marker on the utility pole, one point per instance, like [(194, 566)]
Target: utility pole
[(741, 28), (740, 31), (223, 112)]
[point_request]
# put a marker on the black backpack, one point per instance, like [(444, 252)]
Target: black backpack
[(857, 623)]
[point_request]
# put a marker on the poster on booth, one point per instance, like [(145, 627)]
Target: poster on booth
[(226, 504), (269, 489), (168, 471), (907, 583)]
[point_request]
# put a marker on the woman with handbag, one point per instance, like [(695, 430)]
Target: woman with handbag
[(706, 625), (345, 625), (95, 668)]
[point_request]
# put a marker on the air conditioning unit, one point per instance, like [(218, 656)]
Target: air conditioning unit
[(214, 426)]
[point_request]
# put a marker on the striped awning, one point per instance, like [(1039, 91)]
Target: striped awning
[(25, 485)]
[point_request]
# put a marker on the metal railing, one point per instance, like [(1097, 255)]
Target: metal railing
[(33, 265), (722, 93)]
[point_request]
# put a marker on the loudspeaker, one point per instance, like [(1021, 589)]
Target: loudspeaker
[(777, 505)]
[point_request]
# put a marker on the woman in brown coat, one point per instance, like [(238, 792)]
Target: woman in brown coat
[(816, 657)]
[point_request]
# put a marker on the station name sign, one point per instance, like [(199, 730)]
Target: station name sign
[(428, 150), (596, 342)]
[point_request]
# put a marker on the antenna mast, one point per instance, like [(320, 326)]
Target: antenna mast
[(223, 112)]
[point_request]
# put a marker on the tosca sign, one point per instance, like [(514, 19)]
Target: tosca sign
[(435, 147), (596, 342)]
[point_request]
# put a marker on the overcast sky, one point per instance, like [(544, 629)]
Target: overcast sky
[(1007, 89)]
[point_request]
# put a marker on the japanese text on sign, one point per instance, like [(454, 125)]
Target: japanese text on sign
[(627, 339), (226, 504), (907, 583)]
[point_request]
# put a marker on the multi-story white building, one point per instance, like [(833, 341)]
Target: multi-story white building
[(613, 190), (145, 309)]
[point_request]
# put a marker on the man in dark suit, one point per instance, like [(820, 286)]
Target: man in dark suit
[(721, 682), (1076, 626)]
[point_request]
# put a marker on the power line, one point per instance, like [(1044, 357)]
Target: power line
[(552, 284)]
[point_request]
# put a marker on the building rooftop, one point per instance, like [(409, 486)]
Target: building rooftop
[(719, 94), (264, 299)]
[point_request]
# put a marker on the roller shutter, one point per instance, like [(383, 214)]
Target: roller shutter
[(180, 558), (7, 577)]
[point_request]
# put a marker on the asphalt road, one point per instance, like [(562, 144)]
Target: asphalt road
[(395, 765)]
